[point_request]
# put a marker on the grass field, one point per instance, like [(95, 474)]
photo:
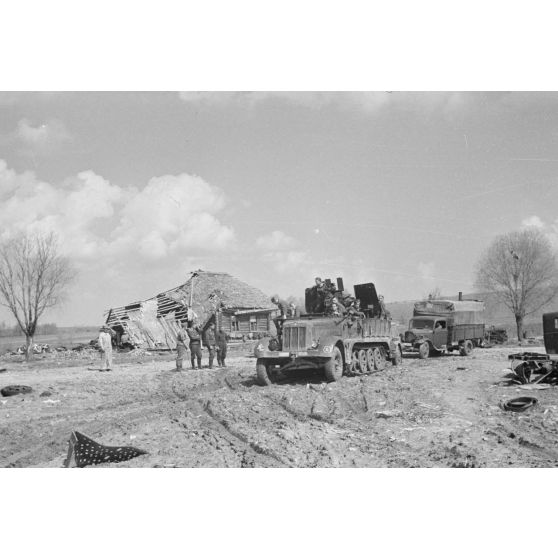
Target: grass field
[(65, 336)]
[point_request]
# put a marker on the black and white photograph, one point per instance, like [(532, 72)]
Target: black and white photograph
[(280, 279), (277, 279)]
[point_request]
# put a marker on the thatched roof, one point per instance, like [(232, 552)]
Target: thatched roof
[(212, 289), (154, 321)]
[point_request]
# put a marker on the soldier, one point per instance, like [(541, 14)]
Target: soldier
[(194, 333), (282, 316), (353, 311), (383, 310), (293, 313), (105, 345), (221, 340), (321, 294), (181, 348), (334, 308), (210, 343)]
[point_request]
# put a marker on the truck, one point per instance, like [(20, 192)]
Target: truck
[(443, 326), (347, 343)]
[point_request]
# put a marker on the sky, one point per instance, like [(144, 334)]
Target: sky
[(403, 189)]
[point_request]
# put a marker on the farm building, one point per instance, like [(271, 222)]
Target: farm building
[(240, 309)]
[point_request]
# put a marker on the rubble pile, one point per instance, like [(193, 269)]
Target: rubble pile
[(533, 368)]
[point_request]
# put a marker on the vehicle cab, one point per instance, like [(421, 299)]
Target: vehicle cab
[(433, 329)]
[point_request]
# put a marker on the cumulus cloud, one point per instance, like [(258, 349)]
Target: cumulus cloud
[(279, 250), (277, 240), (171, 215), (288, 261), (533, 221), (550, 230), (42, 135)]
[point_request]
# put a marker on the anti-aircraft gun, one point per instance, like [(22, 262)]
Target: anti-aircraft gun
[(349, 343)]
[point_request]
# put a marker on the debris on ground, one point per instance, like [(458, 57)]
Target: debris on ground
[(15, 390), (533, 368), (88, 452), (519, 404)]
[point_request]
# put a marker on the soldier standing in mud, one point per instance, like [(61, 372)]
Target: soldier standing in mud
[(181, 348), (194, 333), (105, 345), (221, 340), (210, 343)]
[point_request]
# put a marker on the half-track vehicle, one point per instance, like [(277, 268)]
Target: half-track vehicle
[(346, 343), (440, 326)]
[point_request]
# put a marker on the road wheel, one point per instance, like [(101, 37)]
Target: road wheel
[(370, 360), (262, 372), (353, 367), (397, 356), (362, 362), (379, 359), (334, 366), (424, 350), (467, 348)]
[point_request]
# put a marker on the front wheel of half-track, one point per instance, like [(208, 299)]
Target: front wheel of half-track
[(397, 356), (262, 372), (333, 368)]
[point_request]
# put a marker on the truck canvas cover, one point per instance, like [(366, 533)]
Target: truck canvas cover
[(458, 311)]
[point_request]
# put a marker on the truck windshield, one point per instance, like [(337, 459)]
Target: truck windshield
[(421, 323)]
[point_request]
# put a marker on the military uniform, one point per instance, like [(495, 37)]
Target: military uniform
[(383, 310), (210, 344), (221, 340), (194, 333), (181, 348), (105, 344), (278, 320)]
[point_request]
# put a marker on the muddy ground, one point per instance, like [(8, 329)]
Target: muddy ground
[(440, 412)]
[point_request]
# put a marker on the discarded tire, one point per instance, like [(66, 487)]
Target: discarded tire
[(519, 404), (15, 390)]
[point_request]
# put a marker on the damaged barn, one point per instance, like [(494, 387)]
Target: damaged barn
[(241, 310)]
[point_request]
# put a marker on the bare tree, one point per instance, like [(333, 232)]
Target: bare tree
[(33, 277), (520, 270), (434, 294)]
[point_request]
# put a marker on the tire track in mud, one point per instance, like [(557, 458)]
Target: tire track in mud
[(92, 421), (49, 449), (246, 450), (244, 439)]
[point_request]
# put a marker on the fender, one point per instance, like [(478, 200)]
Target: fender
[(328, 343)]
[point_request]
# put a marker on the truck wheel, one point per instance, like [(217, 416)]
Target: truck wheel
[(424, 350), (362, 362), (397, 356), (467, 348), (262, 372), (379, 359), (333, 368)]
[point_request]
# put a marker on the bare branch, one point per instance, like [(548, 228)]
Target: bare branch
[(521, 270), (33, 277)]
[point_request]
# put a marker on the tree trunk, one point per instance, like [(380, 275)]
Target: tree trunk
[(519, 323), (28, 347)]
